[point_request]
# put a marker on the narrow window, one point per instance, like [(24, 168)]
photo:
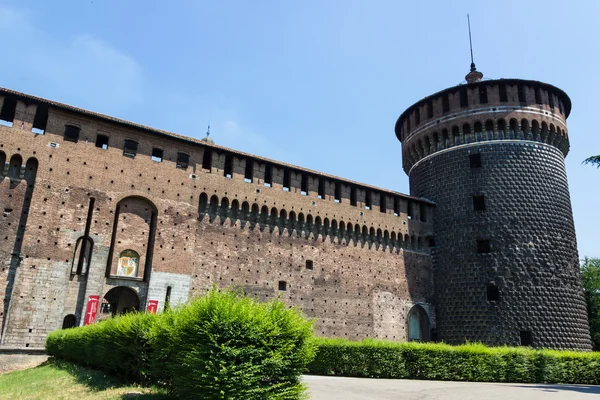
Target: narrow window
[(168, 298), (483, 246), (560, 107), (408, 124), (445, 102), (249, 170), (526, 338), (423, 212), (7, 114), (429, 109), (382, 203), (396, 206), (493, 294), (521, 93), (268, 175), (368, 203), (309, 264), (503, 93), (409, 209), (417, 116), (157, 155), (538, 96), (464, 99), (130, 148), (551, 100), (287, 180), (353, 196), (483, 97), (321, 192), (228, 170), (475, 160), (40, 120), (479, 203), (207, 159), (304, 185), (102, 142), (183, 160), (338, 193), (282, 286), (72, 133)]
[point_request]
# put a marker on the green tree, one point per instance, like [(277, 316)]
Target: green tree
[(590, 278), (594, 160)]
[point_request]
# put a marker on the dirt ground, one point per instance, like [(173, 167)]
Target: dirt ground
[(14, 362)]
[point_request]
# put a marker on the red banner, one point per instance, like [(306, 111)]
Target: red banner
[(152, 306), (92, 310)]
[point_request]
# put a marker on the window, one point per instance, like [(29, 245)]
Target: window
[(483, 97), (417, 116), (321, 190), (464, 99), (338, 192), (475, 160), (304, 185), (207, 159), (286, 180), (228, 170), (309, 264), (445, 102), (7, 114), (72, 133), (353, 196), (479, 203), (40, 120), (183, 160), (526, 338), (483, 246), (128, 263), (396, 206), (268, 175), (521, 94), (168, 298), (82, 256), (70, 321), (102, 142), (538, 96), (248, 171), (429, 109), (493, 294), (382, 203), (409, 209), (368, 203), (157, 155), (502, 92), (283, 286), (130, 148), (551, 100)]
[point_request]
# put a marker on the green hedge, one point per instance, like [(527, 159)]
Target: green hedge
[(471, 362), (220, 346)]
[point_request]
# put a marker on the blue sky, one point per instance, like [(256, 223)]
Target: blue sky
[(314, 83)]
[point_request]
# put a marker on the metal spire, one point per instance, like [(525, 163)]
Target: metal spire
[(471, 43)]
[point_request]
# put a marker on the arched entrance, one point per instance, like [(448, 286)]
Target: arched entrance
[(70, 321), (119, 300), (418, 325)]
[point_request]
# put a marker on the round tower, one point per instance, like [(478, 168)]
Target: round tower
[(490, 154)]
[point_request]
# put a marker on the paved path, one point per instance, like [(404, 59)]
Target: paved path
[(333, 388)]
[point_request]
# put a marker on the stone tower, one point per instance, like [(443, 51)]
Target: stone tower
[(490, 154)]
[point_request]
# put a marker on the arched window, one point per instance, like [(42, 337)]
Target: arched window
[(83, 256), (418, 324), (235, 211), (14, 170), (455, 135), (502, 125), (70, 321), (203, 205), (478, 127), (466, 129), (129, 261)]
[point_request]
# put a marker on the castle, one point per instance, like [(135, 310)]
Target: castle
[(102, 216)]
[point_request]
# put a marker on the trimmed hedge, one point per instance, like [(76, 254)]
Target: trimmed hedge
[(470, 362), (221, 346)]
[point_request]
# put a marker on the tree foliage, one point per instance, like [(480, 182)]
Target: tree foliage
[(590, 278), (594, 160)]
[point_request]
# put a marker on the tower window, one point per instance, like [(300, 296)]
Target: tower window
[(309, 264), (409, 209), (368, 203), (396, 206), (475, 160), (7, 114), (157, 155), (130, 148), (248, 173), (503, 94), (521, 94), (464, 100), (282, 286), (538, 96), (338, 192), (417, 116), (228, 168), (102, 142), (526, 338), (551, 100), (207, 159), (483, 246), (72, 133), (40, 120), (183, 160), (304, 185), (479, 203), (168, 298), (286, 180), (268, 175), (445, 102), (321, 190), (382, 203), (483, 97), (429, 109), (493, 294), (353, 196)]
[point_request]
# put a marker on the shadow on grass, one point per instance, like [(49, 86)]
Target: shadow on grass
[(98, 381), (587, 389)]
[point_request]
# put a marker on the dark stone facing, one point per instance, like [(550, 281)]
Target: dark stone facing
[(533, 259)]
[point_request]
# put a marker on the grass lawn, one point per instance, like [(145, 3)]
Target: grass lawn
[(57, 379)]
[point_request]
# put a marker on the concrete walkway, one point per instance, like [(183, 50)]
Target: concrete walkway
[(333, 388)]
